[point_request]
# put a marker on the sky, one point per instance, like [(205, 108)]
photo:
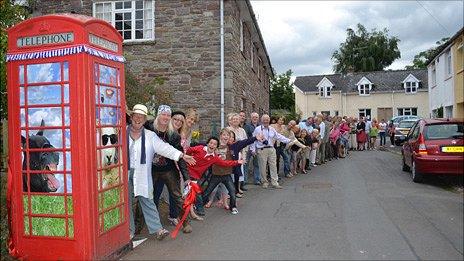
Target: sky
[(302, 35)]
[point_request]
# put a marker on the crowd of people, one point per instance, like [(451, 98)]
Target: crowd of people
[(161, 154)]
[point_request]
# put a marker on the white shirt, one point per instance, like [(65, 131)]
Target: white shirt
[(322, 129), (143, 182), (270, 134), (382, 127)]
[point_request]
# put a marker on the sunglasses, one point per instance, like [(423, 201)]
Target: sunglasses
[(113, 138)]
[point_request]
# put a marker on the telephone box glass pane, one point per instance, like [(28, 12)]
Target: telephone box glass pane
[(45, 94), (21, 96), (45, 72), (108, 95), (51, 117), (108, 115), (21, 74), (108, 75), (46, 150)]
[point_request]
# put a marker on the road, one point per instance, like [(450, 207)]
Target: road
[(362, 207)]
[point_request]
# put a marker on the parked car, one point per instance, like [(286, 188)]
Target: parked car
[(397, 119), (434, 146), (402, 130)]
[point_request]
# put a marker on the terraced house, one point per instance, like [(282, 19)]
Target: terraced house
[(446, 77), (210, 54), (380, 94)]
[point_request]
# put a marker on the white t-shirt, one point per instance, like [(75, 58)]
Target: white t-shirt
[(382, 127)]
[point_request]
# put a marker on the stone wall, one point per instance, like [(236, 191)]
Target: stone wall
[(249, 86), (186, 55)]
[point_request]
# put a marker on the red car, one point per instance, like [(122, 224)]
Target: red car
[(434, 146)]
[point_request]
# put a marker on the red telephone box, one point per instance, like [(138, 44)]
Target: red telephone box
[(68, 193)]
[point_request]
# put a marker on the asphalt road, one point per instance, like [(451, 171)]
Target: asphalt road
[(362, 207)]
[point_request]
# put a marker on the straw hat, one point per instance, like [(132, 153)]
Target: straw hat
[(140, 109)]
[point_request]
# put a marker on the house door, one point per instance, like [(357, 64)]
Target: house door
[(384, 113)]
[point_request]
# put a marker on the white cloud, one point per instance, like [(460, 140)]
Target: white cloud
[(302, 35)]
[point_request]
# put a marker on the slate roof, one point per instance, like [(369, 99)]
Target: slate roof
[(381, 80)]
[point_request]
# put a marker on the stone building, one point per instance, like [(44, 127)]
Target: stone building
[(380, 94), (180, 42)]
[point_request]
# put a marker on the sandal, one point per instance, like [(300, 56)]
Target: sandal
[(196, 217), (208, 205), (161, 234)]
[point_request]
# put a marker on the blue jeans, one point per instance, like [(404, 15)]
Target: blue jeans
[(280, 151), (250, 159), (383, 138), (159, 186), (150, 212)]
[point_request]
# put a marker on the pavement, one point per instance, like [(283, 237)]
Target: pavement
[(363, 207)]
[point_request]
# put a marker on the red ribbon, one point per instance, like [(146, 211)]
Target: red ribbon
[(188, 202)]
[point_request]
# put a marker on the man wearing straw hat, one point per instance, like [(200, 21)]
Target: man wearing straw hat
[(142, 144)]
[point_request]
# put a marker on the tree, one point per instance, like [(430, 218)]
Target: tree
[(151, 93), (421, 59), (11, 14), (282, 96), (365, 51)]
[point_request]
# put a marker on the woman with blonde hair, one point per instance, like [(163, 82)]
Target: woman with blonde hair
[(234, 120), (303, 139), (185, 131), (191, 117)]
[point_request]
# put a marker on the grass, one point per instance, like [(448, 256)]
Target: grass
[(51, 204)]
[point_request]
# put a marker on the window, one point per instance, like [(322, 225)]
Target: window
[(410, 87), (364, 89), (448, 64), (364, 113), (243, 104), (252, 54), (444, 131), (336, 113), (434, 76), (134, 20), (324, 91), (241, 35), (407, 111), (253, 107), (449, 111), (325, 113), (314, 113)]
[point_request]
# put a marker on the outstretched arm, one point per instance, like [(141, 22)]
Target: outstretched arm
[(226, 163)]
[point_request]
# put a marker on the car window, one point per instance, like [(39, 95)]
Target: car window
[(444, 131), (406, 124), (411, 131), (416, 131)]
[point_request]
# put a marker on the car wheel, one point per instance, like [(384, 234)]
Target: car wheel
[(416, 177), (405, 167)]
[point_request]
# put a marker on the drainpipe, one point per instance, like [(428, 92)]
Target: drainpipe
[(222, 62), (393, 103)]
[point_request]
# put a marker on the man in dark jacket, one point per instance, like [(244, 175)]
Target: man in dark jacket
[(164, 170)]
